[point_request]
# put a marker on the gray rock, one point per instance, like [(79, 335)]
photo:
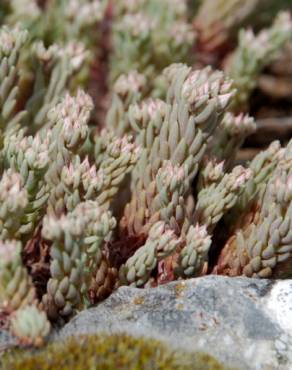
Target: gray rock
[(244, 323), (6, 341)]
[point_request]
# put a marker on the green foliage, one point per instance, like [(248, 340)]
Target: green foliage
[(115, 352)]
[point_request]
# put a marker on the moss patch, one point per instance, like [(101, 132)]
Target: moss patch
[(116, 352)]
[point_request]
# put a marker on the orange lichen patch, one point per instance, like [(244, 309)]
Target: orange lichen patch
[(179, 289), (139, 300), (180, 306)]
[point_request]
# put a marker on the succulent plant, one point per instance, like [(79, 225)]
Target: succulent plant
[(255, 52), (218, 21), (229, 137), (61, 49), (16, 288), (58, 20), (159, 244), (148, 36), (30, 325), (150, 195), (12, 41), (262, 248)]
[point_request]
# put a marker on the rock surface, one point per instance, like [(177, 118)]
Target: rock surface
[(6, 341), (244, 323)]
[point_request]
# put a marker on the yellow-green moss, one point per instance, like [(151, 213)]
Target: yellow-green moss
[(116, 352)]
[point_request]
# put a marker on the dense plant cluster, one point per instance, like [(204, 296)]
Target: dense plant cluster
[(151, 193)]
